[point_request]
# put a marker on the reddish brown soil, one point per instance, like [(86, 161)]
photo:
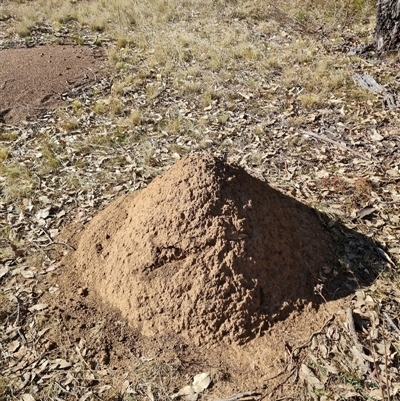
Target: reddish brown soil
[(33, 80), (205, 251)]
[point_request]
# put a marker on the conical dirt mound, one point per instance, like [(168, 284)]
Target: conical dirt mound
[(206, 251)]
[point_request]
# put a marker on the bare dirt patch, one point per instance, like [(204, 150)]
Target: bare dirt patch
[(34, 80)]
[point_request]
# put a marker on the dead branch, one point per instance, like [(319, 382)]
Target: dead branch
[(368, 83), (239, 396), (391, 323), (5, 83), (314, 334), (358, 348), (336, 143)]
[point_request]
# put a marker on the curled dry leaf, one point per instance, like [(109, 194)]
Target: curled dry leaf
[(27, 397), (184, 391), (104, 388), (307, 375), (149, 393), (28, 274), (4, 271), (350, 394), (376, 394), (86, 396), (59, 364), (24, 380), (201, 382), (13, 346)]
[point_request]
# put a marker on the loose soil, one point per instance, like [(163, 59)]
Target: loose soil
[(206, 251), (34, 80)]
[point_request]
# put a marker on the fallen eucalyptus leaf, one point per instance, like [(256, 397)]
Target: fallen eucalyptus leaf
[(350, 394), (201, 382), (309, 377), (104, 388), (27, 397), (13, 346), (4, 271), (28, 274), (384, 255), (187, 390), (364, 212), (150, 393), (376, 394), (86, 396), (38, 307)]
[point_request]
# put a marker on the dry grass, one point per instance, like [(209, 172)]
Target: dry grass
[(178, 37), (3, 153), (16, 182)]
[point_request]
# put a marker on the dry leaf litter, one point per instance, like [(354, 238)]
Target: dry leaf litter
[(349, 170)]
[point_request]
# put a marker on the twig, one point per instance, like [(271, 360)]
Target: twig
[(64, 389), (386, 363), (21, 334), (277, 375), (362, 363), (280, 384), (376, 367), (391, 323), (314, 334), (18, 311), (76, 348), (5, 83), (239, 396), (336, 143), (95, 78), (294, 369), (56, 242)]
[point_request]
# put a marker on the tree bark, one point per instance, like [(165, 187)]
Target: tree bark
[(387, 26)]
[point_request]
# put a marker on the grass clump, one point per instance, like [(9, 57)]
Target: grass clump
[(4, 386), (17, 181), (8, 136), (5, 310), (3, 153), (49, 160), (69, 123)]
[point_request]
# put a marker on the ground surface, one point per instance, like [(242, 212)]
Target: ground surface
[(37, 79), (263, 85)]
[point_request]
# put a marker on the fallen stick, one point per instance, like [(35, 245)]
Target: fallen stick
[(293, 370), (391, 323), (336, 143), (313, 334), (239, 396), (359, 351)]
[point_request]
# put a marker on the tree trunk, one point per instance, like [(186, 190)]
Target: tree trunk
[(387, 26)]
